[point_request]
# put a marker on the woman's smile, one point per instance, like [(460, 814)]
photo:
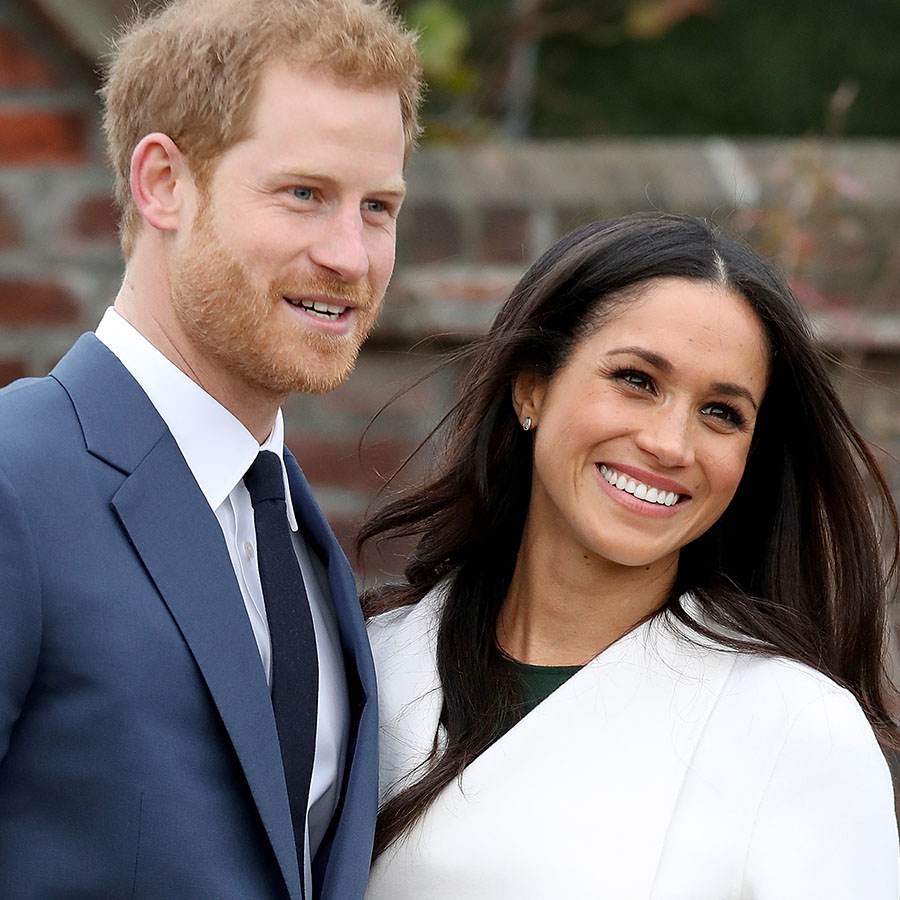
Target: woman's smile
[(652, 493)]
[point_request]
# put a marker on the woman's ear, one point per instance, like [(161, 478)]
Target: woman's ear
[(158, 174), (528, 392)]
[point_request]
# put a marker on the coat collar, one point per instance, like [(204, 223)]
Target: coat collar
[(119, 423), (590, 777)]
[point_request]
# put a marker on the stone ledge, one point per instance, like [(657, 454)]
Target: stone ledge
[(456, 302), (701, 175)]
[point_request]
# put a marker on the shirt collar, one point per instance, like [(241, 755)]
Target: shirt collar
[(216, 446)]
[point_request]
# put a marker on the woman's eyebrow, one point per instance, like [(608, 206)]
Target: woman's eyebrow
[(734, 390), (659, 362), (664, 365)]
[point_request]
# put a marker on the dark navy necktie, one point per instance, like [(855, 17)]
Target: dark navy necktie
[(295, 669)]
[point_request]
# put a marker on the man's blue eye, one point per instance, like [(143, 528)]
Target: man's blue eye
[(302, 193), (374, 205)]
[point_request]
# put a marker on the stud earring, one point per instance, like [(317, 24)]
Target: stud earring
[(526, 423)]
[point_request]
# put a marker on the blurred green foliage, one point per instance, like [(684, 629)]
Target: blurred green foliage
[(675, 67)]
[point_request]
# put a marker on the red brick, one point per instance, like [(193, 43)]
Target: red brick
[(35, 137), (505, 234), (473, 287), (345, 529), (384, 377), (20, 66), (11, 369), (10, 229), (335, 461), (97, 219), (36, 302), (377, 562), (429, 233), (328, 460)]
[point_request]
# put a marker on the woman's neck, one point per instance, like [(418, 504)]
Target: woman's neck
[(564, 611)]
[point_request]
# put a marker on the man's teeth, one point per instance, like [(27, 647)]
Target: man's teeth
[(638, 488), (317, 308)]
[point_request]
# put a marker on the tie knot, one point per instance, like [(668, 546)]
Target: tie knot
[(265, 479)]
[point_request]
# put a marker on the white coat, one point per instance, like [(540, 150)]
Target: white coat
[(663, 770)]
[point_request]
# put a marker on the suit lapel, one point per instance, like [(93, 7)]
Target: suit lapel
[(179, 541), (178, 538)]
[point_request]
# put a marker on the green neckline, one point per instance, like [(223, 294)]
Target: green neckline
[(538, 682), (530, 668)]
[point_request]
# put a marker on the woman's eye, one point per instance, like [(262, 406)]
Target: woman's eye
[(302, 193), (635, 378), (724, 412)]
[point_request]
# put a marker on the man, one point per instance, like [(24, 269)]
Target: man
[(184, 713)]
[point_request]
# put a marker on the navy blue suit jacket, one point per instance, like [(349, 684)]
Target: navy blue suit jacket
[(138, 752)]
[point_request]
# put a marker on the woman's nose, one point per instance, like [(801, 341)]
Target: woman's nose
[(667, 436)]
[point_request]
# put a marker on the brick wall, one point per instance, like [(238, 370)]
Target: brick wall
[(59, 260), (475, 217)]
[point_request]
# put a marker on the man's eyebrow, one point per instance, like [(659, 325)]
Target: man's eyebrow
[(664, 365), (397, 189), (392, 188)]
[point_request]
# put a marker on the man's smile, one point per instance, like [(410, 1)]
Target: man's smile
[(319, 307)]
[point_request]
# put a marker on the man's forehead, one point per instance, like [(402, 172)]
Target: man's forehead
[(308, 126), (280, 70)]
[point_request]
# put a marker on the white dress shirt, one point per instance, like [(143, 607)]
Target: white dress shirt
[(218, 450)]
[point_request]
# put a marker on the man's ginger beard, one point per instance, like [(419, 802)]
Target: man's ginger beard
[(249, 332)]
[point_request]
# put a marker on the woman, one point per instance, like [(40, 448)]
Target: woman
[(639, 650)]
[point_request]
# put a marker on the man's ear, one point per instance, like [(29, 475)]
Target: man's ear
[(528, 392), (159, 173)]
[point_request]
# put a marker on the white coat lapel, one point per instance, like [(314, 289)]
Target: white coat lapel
[(409, 695), (584, 787)]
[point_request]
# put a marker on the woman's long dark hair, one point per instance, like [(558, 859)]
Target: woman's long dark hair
[(803, 560)]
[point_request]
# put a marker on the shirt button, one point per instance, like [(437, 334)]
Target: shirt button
[(248, 549)]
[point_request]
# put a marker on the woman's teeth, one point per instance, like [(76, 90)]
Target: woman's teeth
[(638, 488)]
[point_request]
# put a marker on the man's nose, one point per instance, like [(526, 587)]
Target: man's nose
[(339, 246)]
